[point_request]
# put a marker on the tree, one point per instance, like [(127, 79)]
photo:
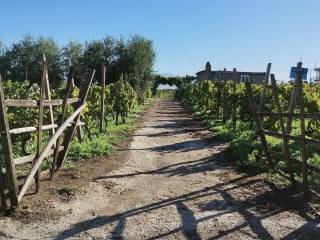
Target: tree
[(134, 58), (25, 59), (4, 63), (121, 61), (21, 57), (52, 52), (141, 56), (73, 52), (98, 53)]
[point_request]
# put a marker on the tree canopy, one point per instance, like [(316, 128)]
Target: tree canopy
[(23, 59), (171, 81), (131, 59)]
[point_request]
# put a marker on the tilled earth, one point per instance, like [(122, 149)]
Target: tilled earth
[(174, 180)]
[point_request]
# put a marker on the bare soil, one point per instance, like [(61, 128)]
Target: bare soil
[(171, 179)]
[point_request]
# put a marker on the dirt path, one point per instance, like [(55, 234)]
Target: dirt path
[(177, 182)]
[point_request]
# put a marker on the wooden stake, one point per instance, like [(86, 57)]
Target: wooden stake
[(303, 135), (218, 93), (62, 118), (40, 120), (7, 150), (265, 88), (234, 101), (293, 102), (80, 132), (224, 96), (258, 124), (3, 202), (70, 132), (72, 80), (79, 128), (48, 97), (103, 97), (285, 139)]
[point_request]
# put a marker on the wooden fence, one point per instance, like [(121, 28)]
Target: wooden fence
[(61, 134), (295, 110), (222, 80)]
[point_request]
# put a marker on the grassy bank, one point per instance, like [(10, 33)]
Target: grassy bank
[(104, 144), (100, 144), (245, 148)]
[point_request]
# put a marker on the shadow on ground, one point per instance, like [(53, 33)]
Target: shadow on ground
[(253, 210), (202, 165), (264, 202)]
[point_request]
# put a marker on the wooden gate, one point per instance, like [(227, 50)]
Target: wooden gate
[(57, 147)]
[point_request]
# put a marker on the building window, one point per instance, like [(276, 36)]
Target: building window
[(244, 78)]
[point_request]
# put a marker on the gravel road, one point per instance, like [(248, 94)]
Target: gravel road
[(176, 182)]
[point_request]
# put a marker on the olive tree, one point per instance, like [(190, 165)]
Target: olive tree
[(98, 53), (73, 53), (24, 59)]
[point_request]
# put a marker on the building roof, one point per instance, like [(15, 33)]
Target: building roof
[(201, 71), (231, 72), (250, 73)]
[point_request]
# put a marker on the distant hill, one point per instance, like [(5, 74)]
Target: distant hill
[(167, 75), (166, 86)]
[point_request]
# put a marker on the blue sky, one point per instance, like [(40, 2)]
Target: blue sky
[(245, 34)]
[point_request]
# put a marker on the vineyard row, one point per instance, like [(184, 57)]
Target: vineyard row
[(271, 127)]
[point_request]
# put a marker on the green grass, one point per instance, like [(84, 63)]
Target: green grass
[(104, 144), (243, 147), (101, 144)]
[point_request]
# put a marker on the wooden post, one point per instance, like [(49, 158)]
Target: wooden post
[(224, 96), (72, 80), (48, 95), (234, 100), (303, 135), (3, 202), (7, 150), (40, 121), (62, 118), (285, 139), (103, 97), (218, 93), (80, 132), (258, 124), (265, 88), (292, 103), (79, 128), (70, 132)]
